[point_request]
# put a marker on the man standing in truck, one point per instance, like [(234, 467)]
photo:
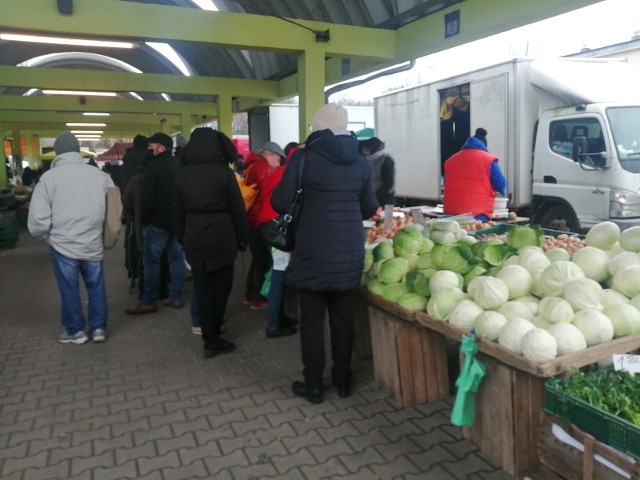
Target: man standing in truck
[(471, 179)]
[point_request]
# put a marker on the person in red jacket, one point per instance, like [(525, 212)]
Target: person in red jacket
[(278, 324), (258, 167), (471, 179)]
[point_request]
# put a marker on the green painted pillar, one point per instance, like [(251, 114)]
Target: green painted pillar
[(225, 115), (311, 83), (3, 159), (185, 124), (30, 152)]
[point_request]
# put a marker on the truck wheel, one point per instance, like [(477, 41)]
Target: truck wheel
[(560, 218)]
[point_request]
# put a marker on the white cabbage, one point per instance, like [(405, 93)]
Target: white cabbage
[(533, 259), (627, 281), (608, 296), (464, 313), (622, 260), (553, 278), (558, 254), (488, 292), (541, 322), (530, 301), (444, 280), (630, 239), (603, 235), (594, 325), (582, 294), (593, 262), (569, 338), (539, 346), (441, 303), (514, 308), (517, 278), (511, 334), (555, 310), (488, 324), (625, 319)]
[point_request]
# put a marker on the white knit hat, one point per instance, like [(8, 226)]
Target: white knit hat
[(330, 116)]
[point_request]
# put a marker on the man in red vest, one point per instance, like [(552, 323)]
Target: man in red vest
[(471, 179)]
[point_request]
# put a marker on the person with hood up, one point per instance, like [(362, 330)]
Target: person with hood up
[(258, 167), (211, 223), (471, 179), (328, 257), (132, 159), (68, 209), (383, 170)]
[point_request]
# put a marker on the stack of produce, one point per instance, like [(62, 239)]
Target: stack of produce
[(536, 303)]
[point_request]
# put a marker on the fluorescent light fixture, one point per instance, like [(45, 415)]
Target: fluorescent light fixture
[(78, 92), (81, 124), (64, 41), (171, 55), (88, 137), (206, 5), (96, 114), (95, 132)]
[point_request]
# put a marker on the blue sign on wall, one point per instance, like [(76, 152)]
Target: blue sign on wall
[(452, 24)]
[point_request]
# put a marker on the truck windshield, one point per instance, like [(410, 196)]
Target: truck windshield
[(625, 127)]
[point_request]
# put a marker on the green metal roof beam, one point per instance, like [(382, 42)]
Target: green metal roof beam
[(9, 116)]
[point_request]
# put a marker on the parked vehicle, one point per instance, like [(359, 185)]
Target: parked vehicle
[(566, 131)]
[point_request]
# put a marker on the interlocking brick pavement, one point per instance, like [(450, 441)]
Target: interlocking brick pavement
[(146, 405)]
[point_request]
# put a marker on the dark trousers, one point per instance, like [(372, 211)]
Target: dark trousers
[(313, 306), (260, 263), (212, 292)]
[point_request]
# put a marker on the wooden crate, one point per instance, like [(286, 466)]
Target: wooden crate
[(409, 361), (560, 460)]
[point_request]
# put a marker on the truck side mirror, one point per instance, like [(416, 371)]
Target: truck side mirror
[(579, 147)]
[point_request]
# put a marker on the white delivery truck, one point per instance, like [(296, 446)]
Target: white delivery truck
[(566, 131)]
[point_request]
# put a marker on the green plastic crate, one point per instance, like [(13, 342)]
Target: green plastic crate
[(506, 227), (608, 428)]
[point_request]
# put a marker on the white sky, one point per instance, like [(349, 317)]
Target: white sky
[(602, 24)]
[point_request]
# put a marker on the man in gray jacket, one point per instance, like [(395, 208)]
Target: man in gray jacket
[(68, 209)]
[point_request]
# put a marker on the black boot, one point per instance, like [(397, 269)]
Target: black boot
[(217, 347), (302, 389)]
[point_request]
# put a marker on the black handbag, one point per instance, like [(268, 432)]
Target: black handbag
[(281, 231)]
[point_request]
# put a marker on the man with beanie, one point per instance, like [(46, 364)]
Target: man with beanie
[(156, 217), (383, 170), (328, 258), (471, 179), (68, 208), (258, 169)]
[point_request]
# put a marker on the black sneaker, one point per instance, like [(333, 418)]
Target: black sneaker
[(281, 331), (218, 347), (301, 389)]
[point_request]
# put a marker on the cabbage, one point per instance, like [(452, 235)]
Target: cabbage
[(393, 270), (394, 291), (524, 236), (603, 235), (556, 275), (440, 304), (593, 262), (383, 251), (444, 280), (454, 257), (425, 261), (489, 323), (495, 254), (627, 281), (621, 261), (635, 301), (407, 241), (630, 239), (442, 237), (418, 281), (539, 346), (555, 310), (375, 269), (511, 334), (445, 225), (582, 294), (568, 337), (476, 271), (533, 260), (488, 292), (517, 278), (427, 245), (541, 322), (625, 319), (514, 308), (557, 254), (616, 249), (609, 297), (594, 325), (368, 259), (530, 301), (376, 286), (464, 314), (412, 301)]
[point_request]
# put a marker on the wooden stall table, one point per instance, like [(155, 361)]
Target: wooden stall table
[(510, 398), (409, 361)]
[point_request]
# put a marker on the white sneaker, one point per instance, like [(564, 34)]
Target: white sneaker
[(78, 338), (99, 335)]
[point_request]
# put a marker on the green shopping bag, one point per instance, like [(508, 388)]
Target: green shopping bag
[(264, 291), (473, 371)]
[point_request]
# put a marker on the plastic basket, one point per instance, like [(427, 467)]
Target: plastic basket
[(506, 227), (604, 426)]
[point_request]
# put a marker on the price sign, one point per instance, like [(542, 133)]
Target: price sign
[(629, 363), (388, 217), (417, 216)]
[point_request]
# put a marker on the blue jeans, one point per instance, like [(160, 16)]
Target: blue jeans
[(68, 271), (275, 300), (155, 241)]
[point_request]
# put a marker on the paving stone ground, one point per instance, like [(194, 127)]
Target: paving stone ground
[(147, 405)]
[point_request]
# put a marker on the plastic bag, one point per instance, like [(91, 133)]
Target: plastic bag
[(473, 371)]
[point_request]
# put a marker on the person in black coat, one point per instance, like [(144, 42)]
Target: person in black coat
[(328, 257), (211, 224)]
